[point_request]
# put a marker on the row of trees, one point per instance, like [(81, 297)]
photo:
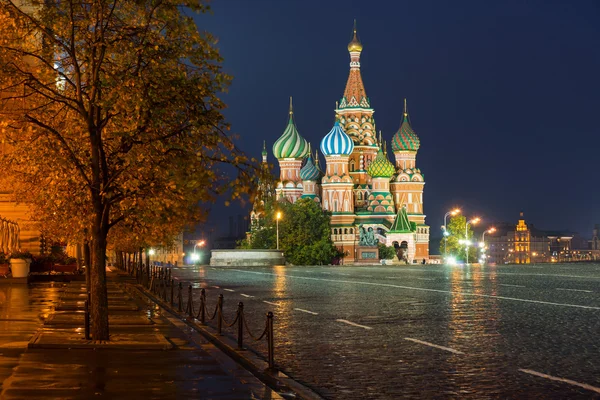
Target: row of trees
[(112, 128)]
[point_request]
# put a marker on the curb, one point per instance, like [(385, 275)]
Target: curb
[(275, 379)]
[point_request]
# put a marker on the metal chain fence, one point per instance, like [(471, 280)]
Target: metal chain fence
[(159, 281)]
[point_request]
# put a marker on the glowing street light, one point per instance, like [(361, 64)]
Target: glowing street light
[(195, 256), (278, 217), (467, 242), (491, 230), (483, 258), (446, 234)]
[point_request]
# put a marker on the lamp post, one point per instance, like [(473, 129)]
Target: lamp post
[(278, 217), (473, 221), (196, 256), (445, 227), (482, 243)]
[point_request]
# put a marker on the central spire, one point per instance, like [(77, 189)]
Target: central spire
[(355, 95)]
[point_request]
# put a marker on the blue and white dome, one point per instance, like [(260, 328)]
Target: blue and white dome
[(310, 172), (336, 142)]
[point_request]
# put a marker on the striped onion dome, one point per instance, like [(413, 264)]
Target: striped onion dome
[(381, 167), (336, 142), (310, 172), (405, 139), (290, 144)]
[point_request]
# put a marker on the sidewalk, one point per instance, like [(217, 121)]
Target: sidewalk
[(42, 354)]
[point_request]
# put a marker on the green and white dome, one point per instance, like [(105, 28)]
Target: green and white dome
[(290, 144)]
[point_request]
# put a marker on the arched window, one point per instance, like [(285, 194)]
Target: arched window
[(335, 231), (345, 231)]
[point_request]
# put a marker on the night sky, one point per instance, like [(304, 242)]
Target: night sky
[(504, 95)]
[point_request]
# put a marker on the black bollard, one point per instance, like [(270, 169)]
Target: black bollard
[(202, 306), (179, 296), (240, 318), (270, 341), (172, 290), (220, 314), (86, 321), (190, 302)]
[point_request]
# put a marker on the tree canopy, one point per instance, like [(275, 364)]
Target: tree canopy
[(304, 232), (111, 116)]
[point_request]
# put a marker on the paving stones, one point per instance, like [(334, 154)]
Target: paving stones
[(75, 339)]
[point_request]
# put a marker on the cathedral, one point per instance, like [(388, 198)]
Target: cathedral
[(360, 186)]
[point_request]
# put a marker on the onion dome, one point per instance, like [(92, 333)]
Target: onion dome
[(290, 144), (405, 139), (336, 142), (381, 167), (355, 44), (310, 172)]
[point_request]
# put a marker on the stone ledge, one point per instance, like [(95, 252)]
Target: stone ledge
[(74, 339)]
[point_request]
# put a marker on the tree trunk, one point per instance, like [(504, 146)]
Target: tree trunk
[(87, 261), (99, 305)]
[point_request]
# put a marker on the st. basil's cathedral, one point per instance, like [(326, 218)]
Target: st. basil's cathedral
[(360, 186)]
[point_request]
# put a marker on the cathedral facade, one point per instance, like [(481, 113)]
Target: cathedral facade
[(359, 185)]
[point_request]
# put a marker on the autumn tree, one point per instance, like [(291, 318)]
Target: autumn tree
[(111, 115)]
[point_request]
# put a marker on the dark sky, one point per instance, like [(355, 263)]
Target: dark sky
[(504, 95)]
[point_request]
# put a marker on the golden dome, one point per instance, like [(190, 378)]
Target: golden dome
[(355, 44)]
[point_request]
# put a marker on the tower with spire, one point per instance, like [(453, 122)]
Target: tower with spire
[(290, 149), (361, 187), (408, 182), (356, 117)]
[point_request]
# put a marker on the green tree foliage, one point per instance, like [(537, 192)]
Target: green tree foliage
[(304, 232), (111, 118), (456, 228), (386, 252)]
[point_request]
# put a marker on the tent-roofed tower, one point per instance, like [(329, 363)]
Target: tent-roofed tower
[(290, 149), (408, 183), (355, 115)]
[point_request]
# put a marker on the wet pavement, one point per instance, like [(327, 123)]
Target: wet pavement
[(192, 369), (385, 332)]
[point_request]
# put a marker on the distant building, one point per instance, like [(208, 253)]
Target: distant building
[(524, 243)]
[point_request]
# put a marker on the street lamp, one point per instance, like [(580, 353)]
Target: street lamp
[(278, 217), (196, 256), (446, 234), (467, 243), (482, 243)]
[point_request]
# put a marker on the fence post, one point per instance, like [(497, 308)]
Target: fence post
[(179, 296), (240, 318), (220, 314), (190, 302), (270, 341), (202, 306), (86, 317), (172, 290)]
